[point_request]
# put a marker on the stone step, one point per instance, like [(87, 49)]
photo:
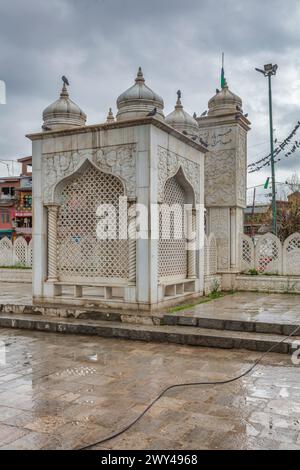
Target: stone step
[(278, 327), (187, 335)]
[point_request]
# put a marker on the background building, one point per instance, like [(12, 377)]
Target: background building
[(16, 203)]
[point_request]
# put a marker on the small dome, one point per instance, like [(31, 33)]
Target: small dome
[(138, 101), (224, 102), (63, 113), (180, 119)]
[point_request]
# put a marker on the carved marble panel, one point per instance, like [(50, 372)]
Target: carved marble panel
[(220, 226), (242, 168), (220, 178), (119, 160), (218, 137), (59, 166), (169, 164), (270, 284)]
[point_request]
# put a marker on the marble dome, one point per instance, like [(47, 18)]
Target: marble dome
[(63, 113), (139, 100), (224, 102), (180, 119)]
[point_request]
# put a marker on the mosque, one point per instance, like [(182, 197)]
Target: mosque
[(103, 236)]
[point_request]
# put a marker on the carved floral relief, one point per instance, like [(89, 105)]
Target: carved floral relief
[(169, 164), (220, 178), (119, 160)]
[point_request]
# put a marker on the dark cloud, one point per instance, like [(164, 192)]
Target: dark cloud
[(99, 44)]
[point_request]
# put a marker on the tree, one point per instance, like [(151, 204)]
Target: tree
[(293, 183), (288, 217)]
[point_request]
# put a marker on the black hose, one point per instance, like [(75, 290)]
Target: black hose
[(192, 384)]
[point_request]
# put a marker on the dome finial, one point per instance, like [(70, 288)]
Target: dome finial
[(110, 117), (64, 92), (178, 102), (140, 76)]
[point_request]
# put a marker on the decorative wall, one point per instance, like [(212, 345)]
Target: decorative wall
[(291, 255), (17, 253), (270, 256)]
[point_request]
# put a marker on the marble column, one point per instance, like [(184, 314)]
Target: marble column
[(132, 242), (191, 244), (52, 242)]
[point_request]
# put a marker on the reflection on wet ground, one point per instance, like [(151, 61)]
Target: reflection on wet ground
[(250, 306), (64, 392)]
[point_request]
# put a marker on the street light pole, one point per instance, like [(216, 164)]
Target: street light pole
[(268, 71), (274, 205)]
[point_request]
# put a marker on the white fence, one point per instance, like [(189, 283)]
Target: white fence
[(17, 253), (270, 256)]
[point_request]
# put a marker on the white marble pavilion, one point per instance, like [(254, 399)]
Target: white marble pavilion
[(86, 177)]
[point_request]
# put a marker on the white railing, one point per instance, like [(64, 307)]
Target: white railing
[(17, 253), (270, 256)]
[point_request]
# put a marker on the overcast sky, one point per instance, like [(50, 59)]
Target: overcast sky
[(99, 44)]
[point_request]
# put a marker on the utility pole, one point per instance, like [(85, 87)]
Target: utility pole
[(268, 71)]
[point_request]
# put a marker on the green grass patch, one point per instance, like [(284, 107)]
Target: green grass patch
[(204, 300), (16, 266)]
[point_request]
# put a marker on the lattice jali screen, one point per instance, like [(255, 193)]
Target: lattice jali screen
[(291, 255), (6, 252), (20, 251), (268, 254), (172, 250), (246, 253), (80, 252)]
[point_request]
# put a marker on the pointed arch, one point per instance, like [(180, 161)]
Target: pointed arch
[(173, 220), (80, 170), (181, 178)]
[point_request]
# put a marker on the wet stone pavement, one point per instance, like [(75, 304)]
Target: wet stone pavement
[(64, 392)]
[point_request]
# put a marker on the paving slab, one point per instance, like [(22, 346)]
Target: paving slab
[(68, 391)]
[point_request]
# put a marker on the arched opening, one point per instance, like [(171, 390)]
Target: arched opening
[(173, 254), (81, 255)]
